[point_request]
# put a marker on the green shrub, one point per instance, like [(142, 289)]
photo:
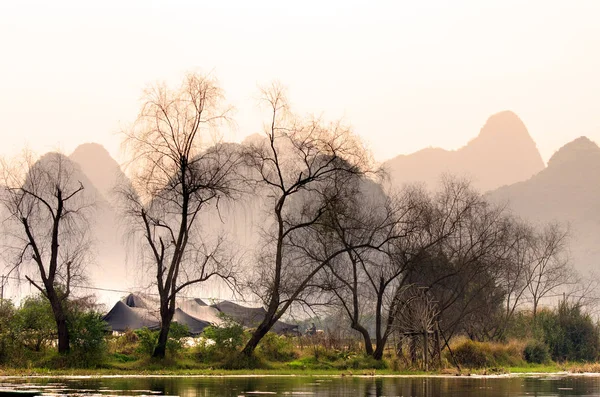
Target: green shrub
[(8, 339), (127, 343), (364, 362), (177, 332), (88, 345), (277, 348), (229, 336), (536, 352), (34, 323), (146, 341), (570, 334)]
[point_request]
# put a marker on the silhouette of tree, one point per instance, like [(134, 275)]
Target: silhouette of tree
[(47, 229), (176, 174), (304, 167)]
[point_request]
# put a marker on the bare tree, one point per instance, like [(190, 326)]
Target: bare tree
[(176, 174), (47, 228), (412, 225), (369, 277), (303, 166), (585, 292), (514, 262), (461, 271), (550, 269)]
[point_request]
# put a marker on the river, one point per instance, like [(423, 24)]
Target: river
[(541, 385)]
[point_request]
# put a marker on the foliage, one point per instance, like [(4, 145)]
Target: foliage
[(125, 344), (536, 352), (177, 332), (148, 339), (277, 348), (34, 322), (88, 344), (570, 334), (7, 336), (229, 336)]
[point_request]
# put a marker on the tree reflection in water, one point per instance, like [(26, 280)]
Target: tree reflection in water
[(186, 386)]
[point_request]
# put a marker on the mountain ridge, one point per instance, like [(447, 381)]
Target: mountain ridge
[(502, 153)]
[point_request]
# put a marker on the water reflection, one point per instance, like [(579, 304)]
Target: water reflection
[(311, 386)]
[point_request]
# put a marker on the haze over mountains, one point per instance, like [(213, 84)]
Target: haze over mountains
[(567, 191), (502, 160), (502, 153)]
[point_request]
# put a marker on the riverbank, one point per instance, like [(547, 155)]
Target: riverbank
[(554, 369)]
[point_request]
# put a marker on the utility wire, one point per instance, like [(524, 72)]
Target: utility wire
[(19, 279)]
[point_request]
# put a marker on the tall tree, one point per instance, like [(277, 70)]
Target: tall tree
[(303, 166), (178, 168), (47, 228), (375, 279)]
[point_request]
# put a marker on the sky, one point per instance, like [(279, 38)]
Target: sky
[(404, 74)]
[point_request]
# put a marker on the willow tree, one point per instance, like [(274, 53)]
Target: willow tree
[(46, 224), (177, 169), (302, 166)]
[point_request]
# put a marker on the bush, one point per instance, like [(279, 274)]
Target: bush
[(126, 344), (8, 340), (177, 332), (229, 336), (470, 354), (147, 341), (277, 348), (34, 323), (570, 334), (220, 343), (536, 352), (88, 345)]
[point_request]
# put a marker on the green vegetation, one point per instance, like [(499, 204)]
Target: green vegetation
[(536, 352), (562, 339)]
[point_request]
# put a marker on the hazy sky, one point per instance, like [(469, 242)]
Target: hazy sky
[(404, 74)]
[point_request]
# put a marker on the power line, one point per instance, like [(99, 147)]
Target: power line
[(19, 279)]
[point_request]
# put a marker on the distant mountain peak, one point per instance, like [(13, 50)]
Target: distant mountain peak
[(502, 153), (578, 151), (505, 126), (95, 161), (95, 150)]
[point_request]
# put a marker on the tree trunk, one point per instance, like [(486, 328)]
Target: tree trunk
[(365, 334), (63, 335), (381, 338), (61, 322), (378, 353), (165, 325), (257, 336)]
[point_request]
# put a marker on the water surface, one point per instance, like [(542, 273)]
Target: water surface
[(547, 385)]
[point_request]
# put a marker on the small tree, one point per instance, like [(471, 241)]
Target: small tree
[(176, 174), (47, 228), (549, 270), (35, 322)]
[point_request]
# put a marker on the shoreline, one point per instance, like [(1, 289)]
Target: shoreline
[(62, 375)]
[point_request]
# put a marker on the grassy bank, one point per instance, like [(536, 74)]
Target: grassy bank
[(186, 366)]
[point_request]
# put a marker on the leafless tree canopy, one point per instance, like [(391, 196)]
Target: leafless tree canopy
[(177, 168), (304, 166), (47, 227)]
